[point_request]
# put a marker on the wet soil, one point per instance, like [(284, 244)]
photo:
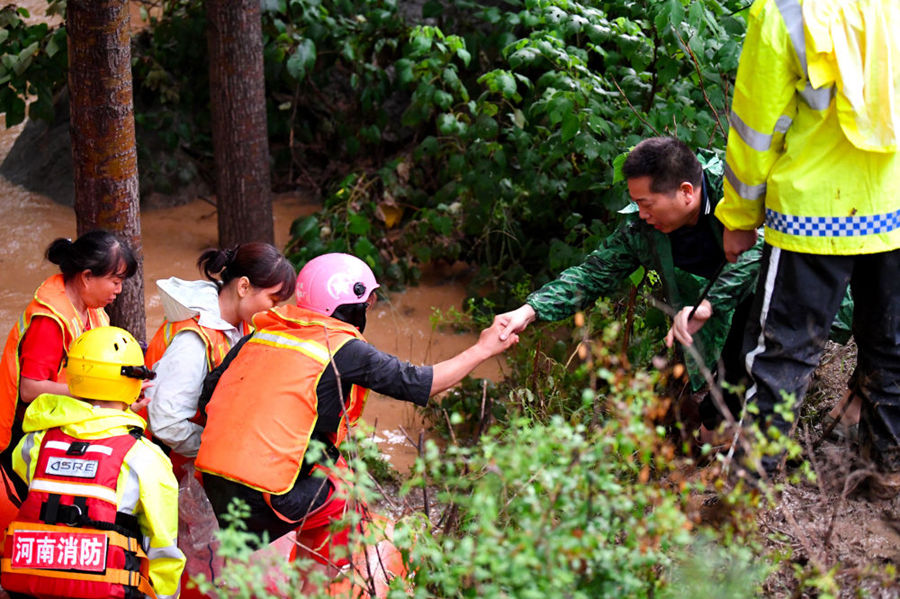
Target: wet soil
[(837, 522)]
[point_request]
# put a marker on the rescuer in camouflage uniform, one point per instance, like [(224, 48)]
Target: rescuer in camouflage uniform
[(669, 228)]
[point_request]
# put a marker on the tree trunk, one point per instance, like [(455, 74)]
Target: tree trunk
[(238, 107), (103, 143)]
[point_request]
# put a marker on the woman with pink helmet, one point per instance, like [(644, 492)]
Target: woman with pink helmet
[(305, 374)]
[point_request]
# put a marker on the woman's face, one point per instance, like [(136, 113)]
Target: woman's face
[(257, 299), (99, 291)]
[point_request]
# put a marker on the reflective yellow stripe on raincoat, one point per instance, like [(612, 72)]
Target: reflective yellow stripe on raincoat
[(814, 125), (146, 486)]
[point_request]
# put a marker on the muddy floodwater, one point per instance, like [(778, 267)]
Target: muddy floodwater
[(174, 237)]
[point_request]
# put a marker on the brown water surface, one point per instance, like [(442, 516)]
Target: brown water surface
[(174, 237)]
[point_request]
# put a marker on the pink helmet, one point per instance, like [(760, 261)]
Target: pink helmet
[(332, 280)]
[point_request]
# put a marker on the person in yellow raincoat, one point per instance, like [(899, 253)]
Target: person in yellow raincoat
[(90, 470), (812, 153)]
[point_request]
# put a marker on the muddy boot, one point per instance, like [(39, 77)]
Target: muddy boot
[(879, 476), (842, 422)]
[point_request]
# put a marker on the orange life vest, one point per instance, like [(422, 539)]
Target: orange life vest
[(216, 341), (217, 345), (264, 408), (68, 539), (50, 300)]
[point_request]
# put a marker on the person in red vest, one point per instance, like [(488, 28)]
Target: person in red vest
[(101, 515), (92, 270), (204, 319), (305, 374)]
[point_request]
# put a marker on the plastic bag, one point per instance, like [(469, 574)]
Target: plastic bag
[(197, 528)]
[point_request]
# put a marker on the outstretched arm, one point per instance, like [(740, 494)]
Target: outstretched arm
[(514, 321), (489, 344)]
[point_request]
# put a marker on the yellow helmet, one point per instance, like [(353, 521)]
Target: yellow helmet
[(106, 363)]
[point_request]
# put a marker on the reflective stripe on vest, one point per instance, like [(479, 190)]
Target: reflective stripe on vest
[(215, 341), (264, 409), (748, 192), (50, 300), (792, 15), (316, 351), (817, 99), (82, 490)]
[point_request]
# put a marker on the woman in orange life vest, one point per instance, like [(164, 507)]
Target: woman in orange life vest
[(203, 320), (102, 494), (92, 269), (281, 390)]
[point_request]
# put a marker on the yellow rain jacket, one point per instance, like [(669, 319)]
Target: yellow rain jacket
[(812, 149), (146, 486)]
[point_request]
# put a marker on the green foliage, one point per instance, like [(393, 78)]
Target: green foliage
[(563, 507), (171, 96), (710, 569), (593, 500), (33, 63), (550, 514), (488, 133), (520, 114)]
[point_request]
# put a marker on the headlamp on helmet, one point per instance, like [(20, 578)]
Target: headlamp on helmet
[(107, 364)]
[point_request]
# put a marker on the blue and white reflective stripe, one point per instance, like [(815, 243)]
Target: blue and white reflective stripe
[(747, 192), (66, 488), (792, 15), (832, 226), (757, 140), (63, 446)]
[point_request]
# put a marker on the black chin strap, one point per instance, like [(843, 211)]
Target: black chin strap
[(354, 314)]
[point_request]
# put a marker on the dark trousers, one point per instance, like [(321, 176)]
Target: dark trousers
[(796, 301), (274, 514), (733, 371)]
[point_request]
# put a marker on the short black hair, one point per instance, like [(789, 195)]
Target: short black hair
[(667, 161)]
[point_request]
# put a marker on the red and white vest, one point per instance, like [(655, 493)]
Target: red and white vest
[(68, 539)]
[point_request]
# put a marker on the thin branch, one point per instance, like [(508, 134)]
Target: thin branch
[(633, 109), (696, 64)]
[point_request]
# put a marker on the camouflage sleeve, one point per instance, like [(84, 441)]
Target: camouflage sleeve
[(600, 273), (737, 281)]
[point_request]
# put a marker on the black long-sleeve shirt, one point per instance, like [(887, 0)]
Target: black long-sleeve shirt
[(359, 363)]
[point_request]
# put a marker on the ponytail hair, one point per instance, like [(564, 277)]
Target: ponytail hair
[(99, 251), (262, 264)]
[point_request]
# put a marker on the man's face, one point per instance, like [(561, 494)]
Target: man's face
[(664, 211)]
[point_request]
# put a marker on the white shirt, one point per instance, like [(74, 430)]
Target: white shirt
[(182, 368)]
